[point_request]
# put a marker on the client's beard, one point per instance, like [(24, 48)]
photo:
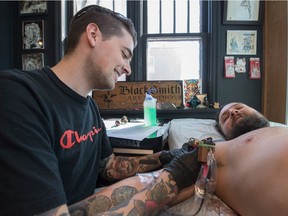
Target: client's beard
[(249, 123)]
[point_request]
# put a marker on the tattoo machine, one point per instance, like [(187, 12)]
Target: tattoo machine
[(206, 181)]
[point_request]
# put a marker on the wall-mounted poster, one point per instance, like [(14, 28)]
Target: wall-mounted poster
[(32, 61), (240, 42), (28, 7), (32, 32), (241, 12), (255, 68), (229, 67), (191, 88)]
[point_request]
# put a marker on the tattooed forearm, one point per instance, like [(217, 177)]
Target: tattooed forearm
[(149, 163), (103, 164), (150, 200), (156, 197), (122, 193), (120, 167), (97, 204)]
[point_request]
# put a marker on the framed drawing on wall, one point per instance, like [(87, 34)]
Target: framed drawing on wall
[(33, 34), (255, 72), (28, 7), (32, 61), (241, 42), (248, 12)]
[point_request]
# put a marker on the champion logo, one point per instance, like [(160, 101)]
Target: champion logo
[(70, 137)]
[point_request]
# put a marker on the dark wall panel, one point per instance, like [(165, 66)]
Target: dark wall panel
[(6, 36), (240, 88)]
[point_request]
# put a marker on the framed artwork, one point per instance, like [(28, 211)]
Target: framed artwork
[(229, 70), (32, 61), (240, 42), (240, 66), (28, 7), (248, 12), (32, 34), (254, 68), (191, 87)]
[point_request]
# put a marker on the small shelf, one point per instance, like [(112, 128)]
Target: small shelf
[(163, 115)]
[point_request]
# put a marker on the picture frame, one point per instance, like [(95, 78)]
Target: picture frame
[(28, 7), (238, 12), (32, 61), (33, 34), (255, 72), (241, 42), (229, 69)]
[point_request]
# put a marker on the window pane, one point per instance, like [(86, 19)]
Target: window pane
[(194, 16), (120, 6), (173, 59), (181, 16), (153, 17), (167, 16)]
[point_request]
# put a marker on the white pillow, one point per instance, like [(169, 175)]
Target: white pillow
[(181, 130), (276, 124)]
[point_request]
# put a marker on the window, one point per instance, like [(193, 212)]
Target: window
[(173, 58), (173, 40), (115, 5)]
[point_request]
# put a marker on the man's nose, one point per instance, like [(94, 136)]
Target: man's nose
[(127, 69), (234, 112)]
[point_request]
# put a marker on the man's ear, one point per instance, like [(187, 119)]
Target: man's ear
[(93, 33)]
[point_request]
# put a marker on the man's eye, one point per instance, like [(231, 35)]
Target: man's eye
[(124, 55), (225, 118)]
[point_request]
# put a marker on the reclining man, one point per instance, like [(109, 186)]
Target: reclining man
[(251, 173), (235, 119)]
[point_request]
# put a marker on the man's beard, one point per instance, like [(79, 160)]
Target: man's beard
[(247, 124)]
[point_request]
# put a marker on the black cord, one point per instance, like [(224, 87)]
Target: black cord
[(202, 201)]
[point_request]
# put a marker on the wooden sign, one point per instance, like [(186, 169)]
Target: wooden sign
[(131, 95)]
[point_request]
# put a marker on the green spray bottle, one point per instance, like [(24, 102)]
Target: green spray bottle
[(150, 117)]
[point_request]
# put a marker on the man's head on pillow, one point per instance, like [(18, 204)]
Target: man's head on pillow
[(235, 119)]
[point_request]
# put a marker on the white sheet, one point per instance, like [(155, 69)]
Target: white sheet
[(181, 130)]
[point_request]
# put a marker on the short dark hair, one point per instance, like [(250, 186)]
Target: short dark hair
[(109, 22)]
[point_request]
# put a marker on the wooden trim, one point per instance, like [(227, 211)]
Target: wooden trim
[(275, 61)]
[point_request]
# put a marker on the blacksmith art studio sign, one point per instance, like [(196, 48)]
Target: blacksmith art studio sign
[(131, 95)]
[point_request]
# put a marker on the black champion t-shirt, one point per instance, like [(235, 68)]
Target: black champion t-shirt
[(51, 140)]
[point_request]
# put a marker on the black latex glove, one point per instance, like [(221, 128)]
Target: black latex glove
[(167, 156), (184, 169)]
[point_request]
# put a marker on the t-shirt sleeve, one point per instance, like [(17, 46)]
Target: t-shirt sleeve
[(106, 145), (30, 180)]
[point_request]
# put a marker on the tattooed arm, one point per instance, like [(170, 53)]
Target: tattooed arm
[(124, 197), (102, 201), (149, 201), (131, 197), (120, 167)]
